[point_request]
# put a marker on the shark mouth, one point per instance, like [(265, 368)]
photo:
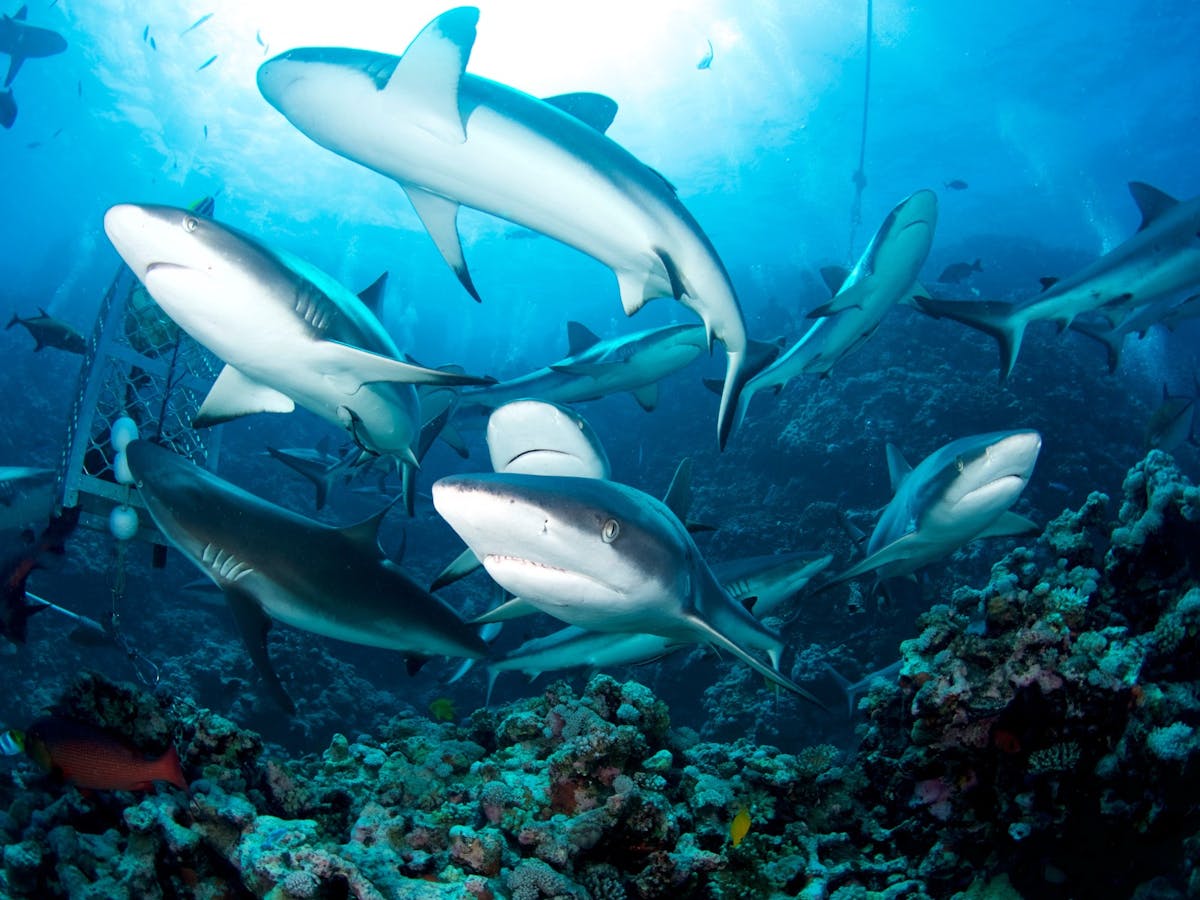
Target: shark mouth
[(1011, 484), (537, 580)]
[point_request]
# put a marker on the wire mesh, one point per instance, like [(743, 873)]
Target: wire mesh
[(138, 364)]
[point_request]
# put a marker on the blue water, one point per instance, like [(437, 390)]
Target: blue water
[(1045, 111)]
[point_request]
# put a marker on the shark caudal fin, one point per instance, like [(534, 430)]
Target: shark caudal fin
[(739, 369), (990, 317)]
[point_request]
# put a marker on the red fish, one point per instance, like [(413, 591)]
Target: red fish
[(88, 757)]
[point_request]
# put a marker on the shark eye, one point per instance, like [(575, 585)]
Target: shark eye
[(190, 223), (609, 530), (959, 464)]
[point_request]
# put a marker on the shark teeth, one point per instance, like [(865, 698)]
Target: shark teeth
[(224, 563)]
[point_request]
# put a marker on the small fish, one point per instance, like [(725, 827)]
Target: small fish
[(706, 61), (208, 62), (957, 184), (145, 33), (958, 272), (258, 37), (200, 21), (740, 826), (153, 44), (1059, 486), (89, 757), (206, 132), (442, 710)]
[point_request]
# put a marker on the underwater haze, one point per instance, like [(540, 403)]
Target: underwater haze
[(962, 243)]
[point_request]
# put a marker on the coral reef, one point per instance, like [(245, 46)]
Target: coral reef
[(1051, 713)]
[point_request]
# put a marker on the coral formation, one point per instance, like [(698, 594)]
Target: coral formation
[(1049, 712)]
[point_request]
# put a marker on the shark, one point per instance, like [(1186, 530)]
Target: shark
[(452, 139), (605, 557), (27, 495), (533, 437), (1161, 259), (884, 275), (288, 333), (48, 331), (318, 466), (595, 368), (8, 109), (771, 578), (276, 565), (1173, 421), (22, 41), (1168, 312), (960, 492)]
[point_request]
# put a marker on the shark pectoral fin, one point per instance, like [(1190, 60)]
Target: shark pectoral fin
[(348, 368), (460, 567), (647, 396), (897, 550), (440, 218), (1008, 525), (254, 624), (593, 369), (234, 394), (591, 109), (678, 498), (453, 439), (429, 73), (850, 298), (719, 640), (898, 467), (513, 609)]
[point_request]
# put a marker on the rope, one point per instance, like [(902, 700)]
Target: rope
[(859, 178), (145, 669)]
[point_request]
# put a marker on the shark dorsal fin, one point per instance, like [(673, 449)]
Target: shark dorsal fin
[(366, 532), (21, 14), (834, 277), (1151, 201), (678, 498), (591, 109), (579, 338), (898, 467), (430, 71), (372, 294)]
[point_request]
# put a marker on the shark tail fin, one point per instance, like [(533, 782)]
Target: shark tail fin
[(739, 369), (846, 687), (989, 316), (13, 321)]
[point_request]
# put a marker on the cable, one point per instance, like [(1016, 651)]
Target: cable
[(859, 178)]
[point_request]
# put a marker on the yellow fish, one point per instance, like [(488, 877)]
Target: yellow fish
[(740, 826), (442, 709)]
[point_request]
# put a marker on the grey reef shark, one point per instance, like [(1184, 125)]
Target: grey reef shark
[(884, 275), (450, 138), (1161, 259), (605, 557), (960, 492), (276, 565), (289, 333)]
